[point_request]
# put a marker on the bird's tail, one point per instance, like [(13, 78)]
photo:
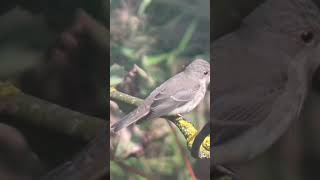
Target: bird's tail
[(129, 119)]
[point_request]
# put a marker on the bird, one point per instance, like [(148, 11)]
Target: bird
[(178, 95), (262, 74)]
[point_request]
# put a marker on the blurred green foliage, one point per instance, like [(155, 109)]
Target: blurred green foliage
[(160, 37)]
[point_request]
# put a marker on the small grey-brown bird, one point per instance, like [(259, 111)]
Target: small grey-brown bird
[(178, 95), (261, 78)]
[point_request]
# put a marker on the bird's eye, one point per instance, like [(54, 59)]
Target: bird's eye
[(307, 36), (205, 72)]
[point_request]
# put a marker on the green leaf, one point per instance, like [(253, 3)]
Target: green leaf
[(153, 60), (129, 53)]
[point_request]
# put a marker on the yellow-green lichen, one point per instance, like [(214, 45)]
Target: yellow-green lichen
[(190, 133), (8, 89), (204, 151), (112, 90)]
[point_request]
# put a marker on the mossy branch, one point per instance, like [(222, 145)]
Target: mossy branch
[(91, 162), (185, 127), (48, 115)]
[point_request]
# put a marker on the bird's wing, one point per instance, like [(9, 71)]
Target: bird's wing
[(236, 113), (174, 94), (245, 86)]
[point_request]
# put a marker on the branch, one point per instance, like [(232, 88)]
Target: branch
[(117, 95), (48, 115), (88, 164), (185, 127)]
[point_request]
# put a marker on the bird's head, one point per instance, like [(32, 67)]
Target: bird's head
[(291, 25), (199, 69)]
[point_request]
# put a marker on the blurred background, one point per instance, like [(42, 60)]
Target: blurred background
[(150, 41), (56, 51), (295, 156)]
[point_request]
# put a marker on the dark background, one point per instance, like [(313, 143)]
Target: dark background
[(49, 49)]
